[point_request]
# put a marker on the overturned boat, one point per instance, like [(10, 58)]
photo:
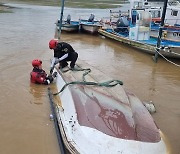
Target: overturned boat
[(96, 114)]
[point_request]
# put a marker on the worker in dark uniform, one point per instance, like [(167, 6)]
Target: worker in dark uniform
[(38, 75), (63, 52)]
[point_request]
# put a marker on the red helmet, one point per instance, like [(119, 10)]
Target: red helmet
[(36, 62), (52, 44)]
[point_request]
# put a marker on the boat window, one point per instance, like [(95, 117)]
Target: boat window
[(159, 13), (138, 16), (173, 3), (155, 13), (134, 14), (174, 13)]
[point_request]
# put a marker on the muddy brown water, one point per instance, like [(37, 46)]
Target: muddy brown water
[(24, 108)]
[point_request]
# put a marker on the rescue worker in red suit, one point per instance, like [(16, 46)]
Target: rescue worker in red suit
[(38, 75), (63, 52)]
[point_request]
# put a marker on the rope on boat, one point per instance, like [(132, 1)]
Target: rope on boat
[(175, 53), (59, 136), (167, 59), (110, 83), (163, 55)]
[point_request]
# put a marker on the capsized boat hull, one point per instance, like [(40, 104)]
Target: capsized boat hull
[(104, 120), (170, 51)]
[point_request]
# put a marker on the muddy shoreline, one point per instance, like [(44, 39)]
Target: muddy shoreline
[(5, 9), (72, 4)]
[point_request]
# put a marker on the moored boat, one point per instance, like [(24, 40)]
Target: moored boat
[(171, 29), (168, 48), (97, 119), (72, 27), (68, 25), (172, 18), (171, 33), (137, 35), (90, 25)]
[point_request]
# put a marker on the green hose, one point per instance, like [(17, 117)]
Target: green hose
[(110, 83)]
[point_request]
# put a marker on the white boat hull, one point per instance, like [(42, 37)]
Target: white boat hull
[(88, 119), (90, 28), (69, 29), (72, 27)]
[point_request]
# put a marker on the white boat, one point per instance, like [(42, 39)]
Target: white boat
[(90, 25), (172, 17), (138, 35), (171, 30), (173, 13), (169, 33), (103, 120), (68, 25)]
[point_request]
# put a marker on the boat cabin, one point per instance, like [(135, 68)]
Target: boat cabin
[(140, 25), (144, 5), (173, 14)]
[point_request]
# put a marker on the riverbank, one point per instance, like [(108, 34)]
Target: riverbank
[(5, 9), (101, 4)]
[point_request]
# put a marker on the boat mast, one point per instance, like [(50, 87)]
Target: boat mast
[(61, 16), (155, 57)]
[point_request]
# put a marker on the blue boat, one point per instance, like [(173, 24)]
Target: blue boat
[(171, 28), (90, 25), (68, 25), (137, 35), (171, 33)]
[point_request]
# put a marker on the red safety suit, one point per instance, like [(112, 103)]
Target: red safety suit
[(39, 76)]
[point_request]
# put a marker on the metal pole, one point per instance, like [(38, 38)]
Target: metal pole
[(58, 132), (155, 57), (61, 16)]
